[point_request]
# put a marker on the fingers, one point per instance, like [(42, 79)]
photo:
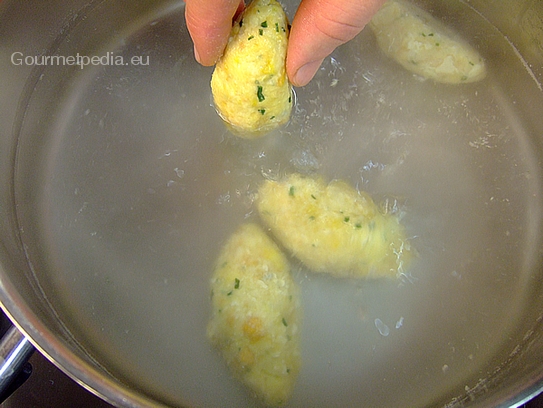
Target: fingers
[(320, 26), (209, 23)]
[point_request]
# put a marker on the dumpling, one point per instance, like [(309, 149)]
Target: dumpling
[(250, 87), (333, 228), (422, 45), (255, 314)]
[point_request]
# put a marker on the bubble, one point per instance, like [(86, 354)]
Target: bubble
[(383, 328)]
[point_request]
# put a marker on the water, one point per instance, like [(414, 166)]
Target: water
[(139, 183)]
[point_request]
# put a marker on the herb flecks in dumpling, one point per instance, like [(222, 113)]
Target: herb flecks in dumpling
[(424, 46), (250, 87), (255, 314), (333, 228)]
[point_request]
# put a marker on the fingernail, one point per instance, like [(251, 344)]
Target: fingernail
[(306, 73), (197, 55)]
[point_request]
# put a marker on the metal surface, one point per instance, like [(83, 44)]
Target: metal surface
[(48, 387), (15, 350), (109, 172)]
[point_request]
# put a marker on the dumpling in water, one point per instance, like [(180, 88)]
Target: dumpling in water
[(255, 314), (333, 228), (422, 45), (250, 86)]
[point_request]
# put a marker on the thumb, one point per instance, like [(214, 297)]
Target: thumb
[(320, 26), (209, 23)]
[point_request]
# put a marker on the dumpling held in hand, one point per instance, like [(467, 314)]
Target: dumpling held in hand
[(250, 87)]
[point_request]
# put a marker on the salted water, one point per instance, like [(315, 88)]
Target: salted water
[(140, 183)]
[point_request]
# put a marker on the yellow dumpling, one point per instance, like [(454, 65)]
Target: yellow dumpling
[(333, 228), (250, 88), (255, 314), (422, 45)]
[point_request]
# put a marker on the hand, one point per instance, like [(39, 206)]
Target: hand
[(319, 26), (209, 23)]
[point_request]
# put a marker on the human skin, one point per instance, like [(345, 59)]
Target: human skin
[(318, 27)]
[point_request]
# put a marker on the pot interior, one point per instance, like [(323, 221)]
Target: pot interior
[(127, 183)]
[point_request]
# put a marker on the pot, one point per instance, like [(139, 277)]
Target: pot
[(119, 183)]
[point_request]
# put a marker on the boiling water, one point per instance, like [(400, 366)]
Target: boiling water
[(140, 184)]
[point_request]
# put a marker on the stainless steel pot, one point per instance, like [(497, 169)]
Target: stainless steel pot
[(114, 177)]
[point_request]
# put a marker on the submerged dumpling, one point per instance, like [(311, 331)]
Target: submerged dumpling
[(255, 314), (333, 228), (250, 86), (424, 46)]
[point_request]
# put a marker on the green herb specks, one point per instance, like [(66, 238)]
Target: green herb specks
[(291, 191), (236, 283), (284, 322), (259, 94), (264, 24)]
